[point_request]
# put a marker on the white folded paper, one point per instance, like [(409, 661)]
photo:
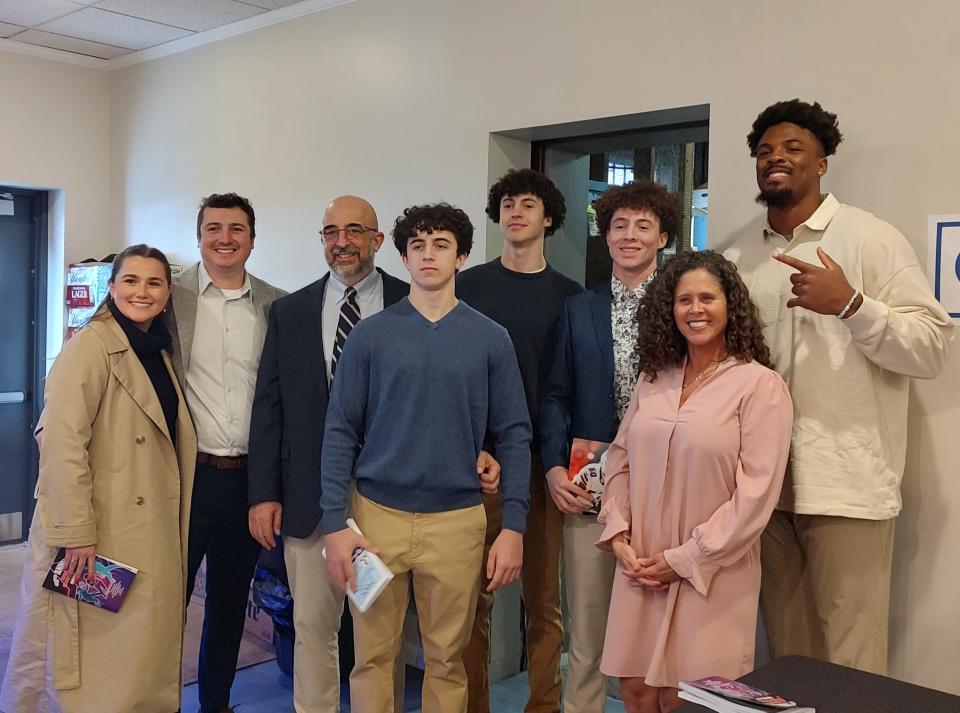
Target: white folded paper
[(372, 574)]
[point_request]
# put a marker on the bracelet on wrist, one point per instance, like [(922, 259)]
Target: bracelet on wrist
[(846, 307)]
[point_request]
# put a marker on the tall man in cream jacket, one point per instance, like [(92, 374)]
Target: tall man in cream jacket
[(849, 318)]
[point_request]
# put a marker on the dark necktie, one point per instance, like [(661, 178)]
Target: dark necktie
[(349, 316)]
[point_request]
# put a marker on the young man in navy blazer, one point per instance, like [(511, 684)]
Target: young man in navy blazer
[(591, 382)]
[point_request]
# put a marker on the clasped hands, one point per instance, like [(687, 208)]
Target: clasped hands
[(652, 573)]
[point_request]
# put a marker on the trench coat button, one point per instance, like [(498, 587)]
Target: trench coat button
[(140, 501), (141, 439)]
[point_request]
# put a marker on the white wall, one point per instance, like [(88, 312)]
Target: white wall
[(395, 100), (55, 134)]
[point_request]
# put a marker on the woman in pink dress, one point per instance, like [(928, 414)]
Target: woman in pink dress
[(692, 478)]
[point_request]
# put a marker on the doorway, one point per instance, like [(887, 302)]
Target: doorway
[(674, 154), (23, 249)]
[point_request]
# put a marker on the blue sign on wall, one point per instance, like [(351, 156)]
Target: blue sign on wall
[(943, 261)]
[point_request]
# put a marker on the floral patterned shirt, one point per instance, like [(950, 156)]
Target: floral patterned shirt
[(626, 331)]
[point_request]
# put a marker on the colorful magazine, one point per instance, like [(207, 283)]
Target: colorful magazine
[(722, 694), (106, 589), (587, 462)]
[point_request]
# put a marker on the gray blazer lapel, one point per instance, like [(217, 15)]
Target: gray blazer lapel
[(183, 320), (262, 295)]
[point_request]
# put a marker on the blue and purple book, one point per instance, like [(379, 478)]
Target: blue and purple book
[(106, 589)]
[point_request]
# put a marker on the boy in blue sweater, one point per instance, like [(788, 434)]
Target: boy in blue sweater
[(425, 381)]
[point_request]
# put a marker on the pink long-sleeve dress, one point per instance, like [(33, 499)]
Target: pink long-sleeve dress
[(697, 482)]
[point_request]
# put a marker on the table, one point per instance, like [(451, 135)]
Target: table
[(837, 689)]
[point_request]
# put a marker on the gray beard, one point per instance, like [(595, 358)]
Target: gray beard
[(353, 275)]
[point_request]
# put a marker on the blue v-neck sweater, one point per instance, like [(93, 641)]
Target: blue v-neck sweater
[(410, 406)]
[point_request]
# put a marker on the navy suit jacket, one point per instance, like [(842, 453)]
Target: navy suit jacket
[(290, 406), (580, 402)]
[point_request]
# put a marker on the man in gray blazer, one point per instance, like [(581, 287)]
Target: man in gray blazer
[(219, 323)]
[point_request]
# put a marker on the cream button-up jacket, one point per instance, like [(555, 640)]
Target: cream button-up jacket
[(849, 379)]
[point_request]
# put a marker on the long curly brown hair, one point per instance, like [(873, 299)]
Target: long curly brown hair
[(662, 346)]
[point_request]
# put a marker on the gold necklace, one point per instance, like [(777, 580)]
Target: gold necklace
[(703, 375)]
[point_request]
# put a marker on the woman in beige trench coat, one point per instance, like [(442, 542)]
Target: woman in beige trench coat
[(113, 481)]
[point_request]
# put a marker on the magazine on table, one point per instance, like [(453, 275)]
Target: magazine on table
[(372, 574), (587, 462), (726, 696), (106, 588)]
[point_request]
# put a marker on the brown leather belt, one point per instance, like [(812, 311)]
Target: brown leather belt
[(221, 462)]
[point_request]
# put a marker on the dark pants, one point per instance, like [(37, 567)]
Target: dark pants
[(218, 531)]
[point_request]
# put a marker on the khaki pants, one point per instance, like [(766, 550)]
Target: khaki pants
[(540, 588), (826, 588), (317, 606), (588, 580), (441, 553)]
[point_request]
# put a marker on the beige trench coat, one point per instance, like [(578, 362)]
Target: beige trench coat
[(109, 475)]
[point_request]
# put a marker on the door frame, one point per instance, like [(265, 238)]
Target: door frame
[(38, 303)]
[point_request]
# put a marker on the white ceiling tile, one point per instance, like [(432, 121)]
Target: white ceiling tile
[(32, 12), (189, 14), (71, 44), (114, 29), (7, 29), (270, 4)]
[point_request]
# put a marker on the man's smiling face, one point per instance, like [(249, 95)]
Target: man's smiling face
[(790, 162), (225, 240)]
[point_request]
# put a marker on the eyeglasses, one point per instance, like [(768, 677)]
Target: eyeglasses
[(354, 231)]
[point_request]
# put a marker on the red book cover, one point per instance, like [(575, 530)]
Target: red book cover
[(106, 589), (587, 461)]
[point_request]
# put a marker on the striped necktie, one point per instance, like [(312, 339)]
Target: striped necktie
[(349, 316)]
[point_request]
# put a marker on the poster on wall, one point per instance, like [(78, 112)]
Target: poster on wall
[(943, 261), (87, 285)]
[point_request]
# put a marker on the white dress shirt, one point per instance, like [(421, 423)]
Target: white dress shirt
[(369, 298), (222, 372)]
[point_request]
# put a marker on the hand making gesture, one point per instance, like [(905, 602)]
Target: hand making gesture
[(823, 290)]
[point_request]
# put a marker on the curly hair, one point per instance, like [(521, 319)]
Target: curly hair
[(661, 345), (227, 200), (430, 218), (642, 195), (526, 180), (812, 117)]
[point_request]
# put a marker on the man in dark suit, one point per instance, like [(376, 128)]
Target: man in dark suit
[(306, 331), (591, 382), (286, 430)]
